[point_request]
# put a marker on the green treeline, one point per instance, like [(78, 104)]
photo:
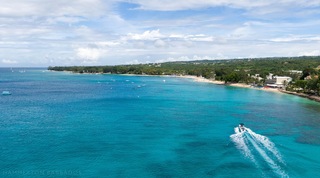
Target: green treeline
[(308, 83), (235, 70)]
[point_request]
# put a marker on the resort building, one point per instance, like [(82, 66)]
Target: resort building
[(257, 76), (277, 81), (282, 80), (270, 76)]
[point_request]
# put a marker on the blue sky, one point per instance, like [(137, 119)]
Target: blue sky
[(110, 32)]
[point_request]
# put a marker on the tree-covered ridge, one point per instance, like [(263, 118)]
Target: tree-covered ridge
[(235, 71), (218, 69)]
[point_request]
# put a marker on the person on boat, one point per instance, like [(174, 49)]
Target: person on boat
[(241, 127)]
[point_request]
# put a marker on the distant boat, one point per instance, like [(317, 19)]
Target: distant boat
[(6, 93), (241, 128)]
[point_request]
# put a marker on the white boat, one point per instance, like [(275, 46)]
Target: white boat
[(6, 93), (241, 128)]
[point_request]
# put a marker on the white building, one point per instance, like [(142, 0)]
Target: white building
[(270, 76), (282, 80), (279, 81), (257, 76)]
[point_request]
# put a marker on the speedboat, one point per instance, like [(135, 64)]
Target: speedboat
[(241, 127), (6, 93)]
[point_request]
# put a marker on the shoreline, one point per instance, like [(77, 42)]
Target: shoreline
[(240, 85), (310, 97), (217, 82), (202, 80)]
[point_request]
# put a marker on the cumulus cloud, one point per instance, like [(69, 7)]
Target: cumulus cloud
[(155, 35), (147, 35), (295, 38), (108, 43), (169, 5), (93, 31), (64, 19), (22, 8), (199, 37), (160, 43), (136, 61), (310, 53), (8, 61), (246, 30), (88, 55), (188, 58)]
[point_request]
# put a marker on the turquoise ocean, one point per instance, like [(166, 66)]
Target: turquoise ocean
[(59, 124)]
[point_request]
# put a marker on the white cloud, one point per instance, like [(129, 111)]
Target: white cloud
[(8, 61), (187, 58), (147, 35), (310, 53), (106, 32), (244, 31), (89, 55), (200, 38), (64, 19), (20, 8), (169, 5), (155, 35), (134, 62), (295, 38), (23, 32), (160, 43), (108, 43)]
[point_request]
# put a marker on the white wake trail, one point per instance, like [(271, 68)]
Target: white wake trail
[(267, 144), (241, 144), (260, 145), (276, 168)]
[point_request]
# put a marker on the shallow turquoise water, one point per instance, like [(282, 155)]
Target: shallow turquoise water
[(58, 124)]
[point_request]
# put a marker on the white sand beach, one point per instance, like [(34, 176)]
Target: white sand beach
[(242, 85), (201, 79)]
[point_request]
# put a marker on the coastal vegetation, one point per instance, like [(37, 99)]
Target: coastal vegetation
[(308, 83), (304, 71)]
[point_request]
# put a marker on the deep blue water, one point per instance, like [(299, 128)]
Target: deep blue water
[(58, 124)]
